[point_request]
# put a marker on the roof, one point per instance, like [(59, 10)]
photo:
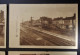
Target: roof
[(69, 18), (45, 18), (60, 18)]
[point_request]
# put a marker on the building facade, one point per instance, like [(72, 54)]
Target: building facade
[(68, 23), (2, 23)]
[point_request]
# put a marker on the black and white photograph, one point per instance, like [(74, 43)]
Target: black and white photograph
[(42, 53), (2, 25), (43, 25)]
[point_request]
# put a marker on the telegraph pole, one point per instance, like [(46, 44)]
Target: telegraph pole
[(31, 21), (73, 24)]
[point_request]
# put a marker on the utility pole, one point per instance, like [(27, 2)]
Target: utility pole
[(31, 21), (22, 22), (73, 24), (17, 26)]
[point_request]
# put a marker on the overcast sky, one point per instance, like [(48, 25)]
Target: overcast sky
[(3, 7), (25, 11)]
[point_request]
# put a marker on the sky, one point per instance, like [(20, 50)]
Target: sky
[(26, 11), (3, 7)]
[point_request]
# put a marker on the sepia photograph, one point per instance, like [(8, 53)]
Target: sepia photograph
[(43, 25), (2, 53), (42, 53), (34, 54), (2, 25)]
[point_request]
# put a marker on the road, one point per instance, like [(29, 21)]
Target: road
[(32, 37)]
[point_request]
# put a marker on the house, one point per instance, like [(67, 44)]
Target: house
[(1, 15), (2, 22), (58, 22), (68, 23), (46, 22)]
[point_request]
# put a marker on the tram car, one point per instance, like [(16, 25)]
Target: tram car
[(46, 22)]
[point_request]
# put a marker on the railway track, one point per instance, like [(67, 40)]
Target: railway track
[(30, 38), (56, 40), (50, 40)]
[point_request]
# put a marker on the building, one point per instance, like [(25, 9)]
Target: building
[(2, 22), (36, 23), (68, 23), (1, 16), (46, 22), (58, 22)]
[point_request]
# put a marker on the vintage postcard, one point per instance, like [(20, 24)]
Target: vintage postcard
[(2, 53), (41, 53), (43, 26), (3, 13)]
